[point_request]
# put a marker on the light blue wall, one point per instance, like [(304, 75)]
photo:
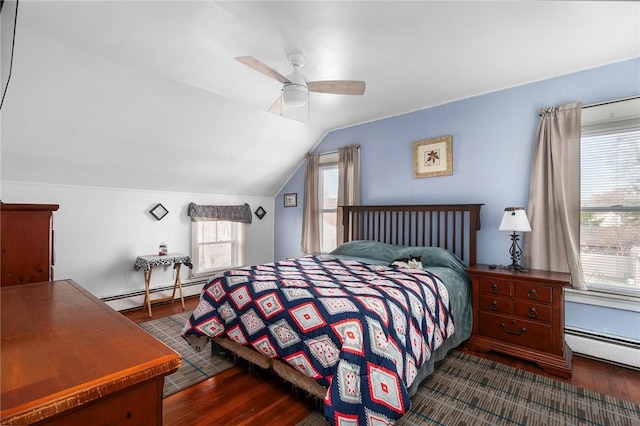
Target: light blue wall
[(492, 144)]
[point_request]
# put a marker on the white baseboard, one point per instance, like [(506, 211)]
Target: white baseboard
[(605, 349), (135, 300)]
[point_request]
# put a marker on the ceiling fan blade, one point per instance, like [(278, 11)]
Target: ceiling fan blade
[(255, 64), (278, 106), (338, 87)]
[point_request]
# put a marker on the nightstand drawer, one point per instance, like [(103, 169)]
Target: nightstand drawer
[(496, 304), (519, 332), (535, 293), (533, 311), (488, 285)]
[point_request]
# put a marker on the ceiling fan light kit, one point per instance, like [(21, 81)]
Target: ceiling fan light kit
[(295, 93), (295, 89)]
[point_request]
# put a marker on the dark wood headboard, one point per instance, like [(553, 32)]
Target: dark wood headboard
[(450, 226)]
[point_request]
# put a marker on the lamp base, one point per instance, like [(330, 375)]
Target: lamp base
[(517, 268), (515, 251)]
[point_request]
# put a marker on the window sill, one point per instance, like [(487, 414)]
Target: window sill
[(606, 300), (211, 272), (204, 275)]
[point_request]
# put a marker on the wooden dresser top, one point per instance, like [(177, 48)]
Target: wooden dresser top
[(531, 274), (62, 347)]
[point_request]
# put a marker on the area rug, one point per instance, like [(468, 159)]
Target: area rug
[(468, 390), (196, 366)]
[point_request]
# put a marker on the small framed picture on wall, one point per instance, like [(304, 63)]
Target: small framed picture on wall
[(158, 211), (432, 157), (291, 200)]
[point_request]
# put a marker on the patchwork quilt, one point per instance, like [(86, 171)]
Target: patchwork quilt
[(361, 330)]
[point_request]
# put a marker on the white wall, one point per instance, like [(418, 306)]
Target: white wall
[(99, 232)]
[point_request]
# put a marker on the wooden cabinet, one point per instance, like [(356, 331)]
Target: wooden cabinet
[(26, 243), (521, 314)]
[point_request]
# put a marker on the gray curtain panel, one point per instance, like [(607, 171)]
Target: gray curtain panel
[(348, 182), (310, 221), (554, 195)]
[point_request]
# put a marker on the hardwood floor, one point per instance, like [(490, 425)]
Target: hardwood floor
[(223, 399)]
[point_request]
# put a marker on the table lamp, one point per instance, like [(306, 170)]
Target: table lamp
[(515, 220)]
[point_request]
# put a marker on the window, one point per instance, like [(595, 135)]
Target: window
[(610, 197), (216, 245), (328, 201)]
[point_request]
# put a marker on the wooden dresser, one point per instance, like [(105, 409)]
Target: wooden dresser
[(26, 243), (67, 358), (521, 314)]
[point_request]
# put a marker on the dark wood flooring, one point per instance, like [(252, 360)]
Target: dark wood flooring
[(224, 399)]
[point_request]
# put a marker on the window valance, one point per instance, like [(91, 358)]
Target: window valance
[(240, 213)]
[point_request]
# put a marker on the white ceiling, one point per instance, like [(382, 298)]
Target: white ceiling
[(148, 95)]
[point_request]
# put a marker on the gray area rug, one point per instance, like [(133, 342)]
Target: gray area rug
[(196, 366), (467, 390)]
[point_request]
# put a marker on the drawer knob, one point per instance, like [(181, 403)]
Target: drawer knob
[(533, 294), (494, 288), (517, 333), (532, 313), (494, 305)]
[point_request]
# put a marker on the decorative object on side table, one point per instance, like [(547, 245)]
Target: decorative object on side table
[(291, 200), (432, 157), (158, 211), (260, 212), (163, 250), (521, 315), (515, 219)]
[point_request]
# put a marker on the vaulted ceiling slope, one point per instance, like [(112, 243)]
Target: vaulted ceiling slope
[(147, 94)]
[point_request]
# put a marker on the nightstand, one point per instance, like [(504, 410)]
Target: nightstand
[(522, 315)]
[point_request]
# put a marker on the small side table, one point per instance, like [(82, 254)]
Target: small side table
[(146, 263)]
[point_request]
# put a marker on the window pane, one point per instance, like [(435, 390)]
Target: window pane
[(329, 185), (217, 245), (224, 231), (214, 256), (610, 210), (207, 231), (328, 206), (328, 227), (610, 165)]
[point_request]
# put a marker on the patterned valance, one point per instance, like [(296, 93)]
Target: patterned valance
[(231, 213)]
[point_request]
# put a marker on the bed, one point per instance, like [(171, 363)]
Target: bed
[(346, 326)]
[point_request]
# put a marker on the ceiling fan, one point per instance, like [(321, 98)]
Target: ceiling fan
[(296, 88)]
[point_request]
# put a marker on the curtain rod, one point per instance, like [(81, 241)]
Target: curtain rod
[(332, 152), (613, 101)]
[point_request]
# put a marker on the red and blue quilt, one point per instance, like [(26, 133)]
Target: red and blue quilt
[(360, 330)]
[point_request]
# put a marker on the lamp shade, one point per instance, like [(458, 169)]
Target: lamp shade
[(515, 219)]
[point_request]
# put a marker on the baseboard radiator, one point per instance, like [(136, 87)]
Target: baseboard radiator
[(605, 348), (135, 299)]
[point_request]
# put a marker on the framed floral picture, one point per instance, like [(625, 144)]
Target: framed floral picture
[(432, 157)]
